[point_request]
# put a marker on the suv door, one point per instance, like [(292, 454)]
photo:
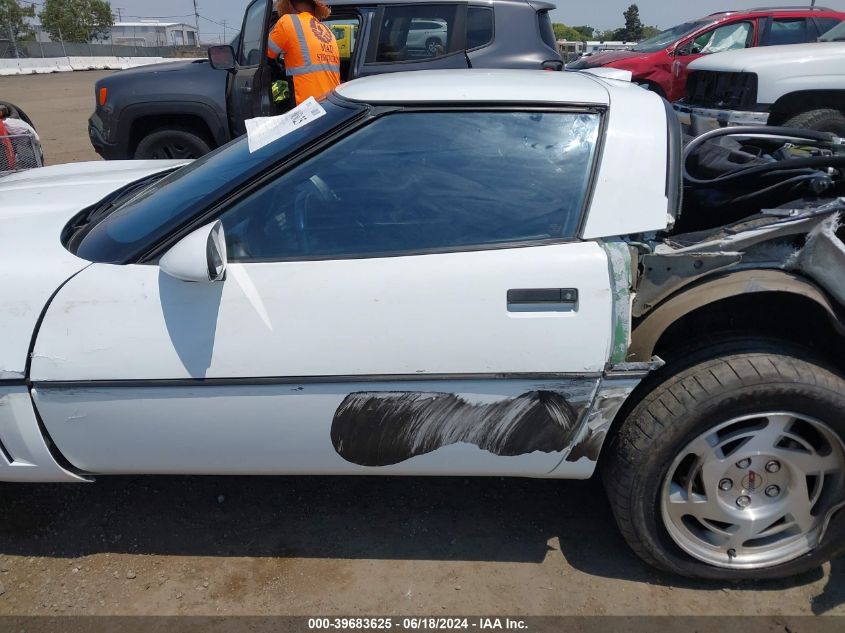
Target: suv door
[(399, 40), (724, 37), (413, 298), (245, 87)]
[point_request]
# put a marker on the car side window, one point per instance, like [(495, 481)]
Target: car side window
[(252, 43), (411, 33), (424, 182), (725, 38), (345, 31), (824, 25), (789, 31), (479, 27)]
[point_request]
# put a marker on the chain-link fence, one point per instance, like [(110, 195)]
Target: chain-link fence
[(37, 49), (19, 151)]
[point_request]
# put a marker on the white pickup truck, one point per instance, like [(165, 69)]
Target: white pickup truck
[(795, 86), (419, 276)]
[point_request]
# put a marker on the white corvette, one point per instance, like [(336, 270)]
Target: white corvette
[(393, 283)]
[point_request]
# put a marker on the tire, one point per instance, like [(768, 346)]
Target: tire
[(171, 143), (821, 120), (432, 44), (729, 389), (16, 112)]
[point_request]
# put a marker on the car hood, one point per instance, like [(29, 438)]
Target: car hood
[(796, 56), (603, 59), (35, 205), (167, 67)]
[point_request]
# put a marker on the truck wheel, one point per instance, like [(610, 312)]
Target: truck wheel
[(822, 120), (733, 467), (172, 143)]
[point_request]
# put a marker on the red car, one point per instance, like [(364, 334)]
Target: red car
[(660, 63)]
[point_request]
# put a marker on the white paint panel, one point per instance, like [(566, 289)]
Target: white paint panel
[(784, 69), (34, 207), (476, 85), (267, 430), (22, 441), (429, 314), (630, 193)]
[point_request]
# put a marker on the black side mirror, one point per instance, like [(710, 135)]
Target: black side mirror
[(222, 57)]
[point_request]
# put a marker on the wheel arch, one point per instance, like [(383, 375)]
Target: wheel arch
[(142, 119), (797, 102), (672, 331), (663, 328)]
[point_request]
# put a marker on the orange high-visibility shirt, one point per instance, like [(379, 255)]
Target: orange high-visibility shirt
[(311, 54)]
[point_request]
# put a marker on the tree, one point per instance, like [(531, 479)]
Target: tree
[(77, 20), (564, 32), (650, 31), (13, 20), (633, 24), (587, 32), (611, 35)]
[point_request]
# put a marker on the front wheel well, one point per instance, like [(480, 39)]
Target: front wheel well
[(796, 103), (783, 320), (143, 126), (788, 317)]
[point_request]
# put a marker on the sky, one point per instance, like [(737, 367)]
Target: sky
[(602, 14)]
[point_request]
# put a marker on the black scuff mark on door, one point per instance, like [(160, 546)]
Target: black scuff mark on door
[(387, 428)]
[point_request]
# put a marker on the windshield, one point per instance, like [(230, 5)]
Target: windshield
[(133, 227), (836, 34), (667, 38)]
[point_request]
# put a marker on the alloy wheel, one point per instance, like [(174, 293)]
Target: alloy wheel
[(755, 491)]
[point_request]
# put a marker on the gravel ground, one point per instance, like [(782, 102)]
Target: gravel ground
[(59, 106), (353, 546), (307, 546)]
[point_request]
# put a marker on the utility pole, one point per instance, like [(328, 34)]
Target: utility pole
[(197, 18), (225, 39), (119, 14)]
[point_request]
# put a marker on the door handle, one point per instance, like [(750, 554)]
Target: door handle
[(543, 300), (247, 88), (543, 295)]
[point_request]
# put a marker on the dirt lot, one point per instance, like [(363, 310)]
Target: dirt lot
[(59, 106), (309, 546)]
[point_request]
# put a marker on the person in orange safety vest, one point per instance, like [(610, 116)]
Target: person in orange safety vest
[(310, 49)]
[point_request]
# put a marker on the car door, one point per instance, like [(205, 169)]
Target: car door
[(416, 37), (245, 86), (411, 300), (725, 37)]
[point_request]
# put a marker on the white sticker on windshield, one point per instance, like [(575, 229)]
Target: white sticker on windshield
[(262, 131)]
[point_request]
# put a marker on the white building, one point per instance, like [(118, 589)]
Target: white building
[(152, 33), (578, 49)]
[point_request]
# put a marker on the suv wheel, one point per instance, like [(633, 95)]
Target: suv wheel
[(433, 45), (172, 143), (821, 120), (734, 467)]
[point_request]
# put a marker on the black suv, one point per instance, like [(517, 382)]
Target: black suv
[(185, 109)]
